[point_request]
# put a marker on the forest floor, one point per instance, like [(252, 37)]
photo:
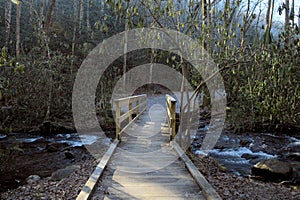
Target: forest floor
[(231, 186)]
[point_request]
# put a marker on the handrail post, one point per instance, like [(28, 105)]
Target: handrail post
[(173, 120), (118, 113), (130, 108), (145, 101), (136, 105), (171, 110)]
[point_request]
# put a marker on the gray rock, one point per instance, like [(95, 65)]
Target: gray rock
[(294, 147), (296, 172), (273, 170), (49, 128), (69, 154), (294, 156), (51, 148), (64, 173), (244, 142), (32, 179)]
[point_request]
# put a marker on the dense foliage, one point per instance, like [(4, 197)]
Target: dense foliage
[(261, 63)]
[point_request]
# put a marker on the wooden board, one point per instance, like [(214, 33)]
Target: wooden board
[(89, 186), (209, 191), (146, 167)]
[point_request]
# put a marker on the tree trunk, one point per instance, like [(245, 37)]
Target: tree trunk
[(226, 12), (208, 49), (287, 14), (228, 16), (41, 25), (287, 21), (7, 21), (269, 21), (204, 19), (299, 18), (44, 28), (257, 28), (18, 28), (75, 20), (292, 15), (81, 12), (125, 48), (49, 16), (31, 11), (271, 18), (245, 27), (206, 100), (88, 26)]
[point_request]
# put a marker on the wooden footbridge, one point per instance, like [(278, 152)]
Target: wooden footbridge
[(144, 161)]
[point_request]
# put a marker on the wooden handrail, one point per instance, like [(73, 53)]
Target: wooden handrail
[(139, 106), (171, 111)]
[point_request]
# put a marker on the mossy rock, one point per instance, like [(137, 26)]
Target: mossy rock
[(273, 170)]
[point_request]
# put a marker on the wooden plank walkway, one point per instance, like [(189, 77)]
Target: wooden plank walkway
[(144, 166)]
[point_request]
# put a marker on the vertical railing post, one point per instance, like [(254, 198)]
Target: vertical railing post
[(118, 125), (171, 111), (130, 108), (136, 105), (173, 120), (145, 100)]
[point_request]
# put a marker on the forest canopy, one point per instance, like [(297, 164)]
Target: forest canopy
[(44, 42)]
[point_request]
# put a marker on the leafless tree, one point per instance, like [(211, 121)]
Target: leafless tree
[(18, 28), (7, 21)]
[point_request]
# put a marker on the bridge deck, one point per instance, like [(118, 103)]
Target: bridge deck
[(144, 166)]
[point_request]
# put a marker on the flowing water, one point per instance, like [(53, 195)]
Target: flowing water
[(238, 153)]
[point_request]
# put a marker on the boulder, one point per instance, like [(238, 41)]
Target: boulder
[(69, 154), (32, 179), (52, 148), (273, 170), (50, 128), (245, 142), (294, 147), (293, 156), (64, 173), (202, 124)]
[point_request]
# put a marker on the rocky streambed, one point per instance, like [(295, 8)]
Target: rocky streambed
[(242, 154), (27, 157)]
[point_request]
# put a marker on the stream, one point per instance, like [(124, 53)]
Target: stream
[(44, 154), (238, 153), (73, 139), (41, 155)]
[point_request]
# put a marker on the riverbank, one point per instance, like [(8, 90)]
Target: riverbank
[(231, 187), (48, 189), (240, 152), (228, 185), (24, 155)]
